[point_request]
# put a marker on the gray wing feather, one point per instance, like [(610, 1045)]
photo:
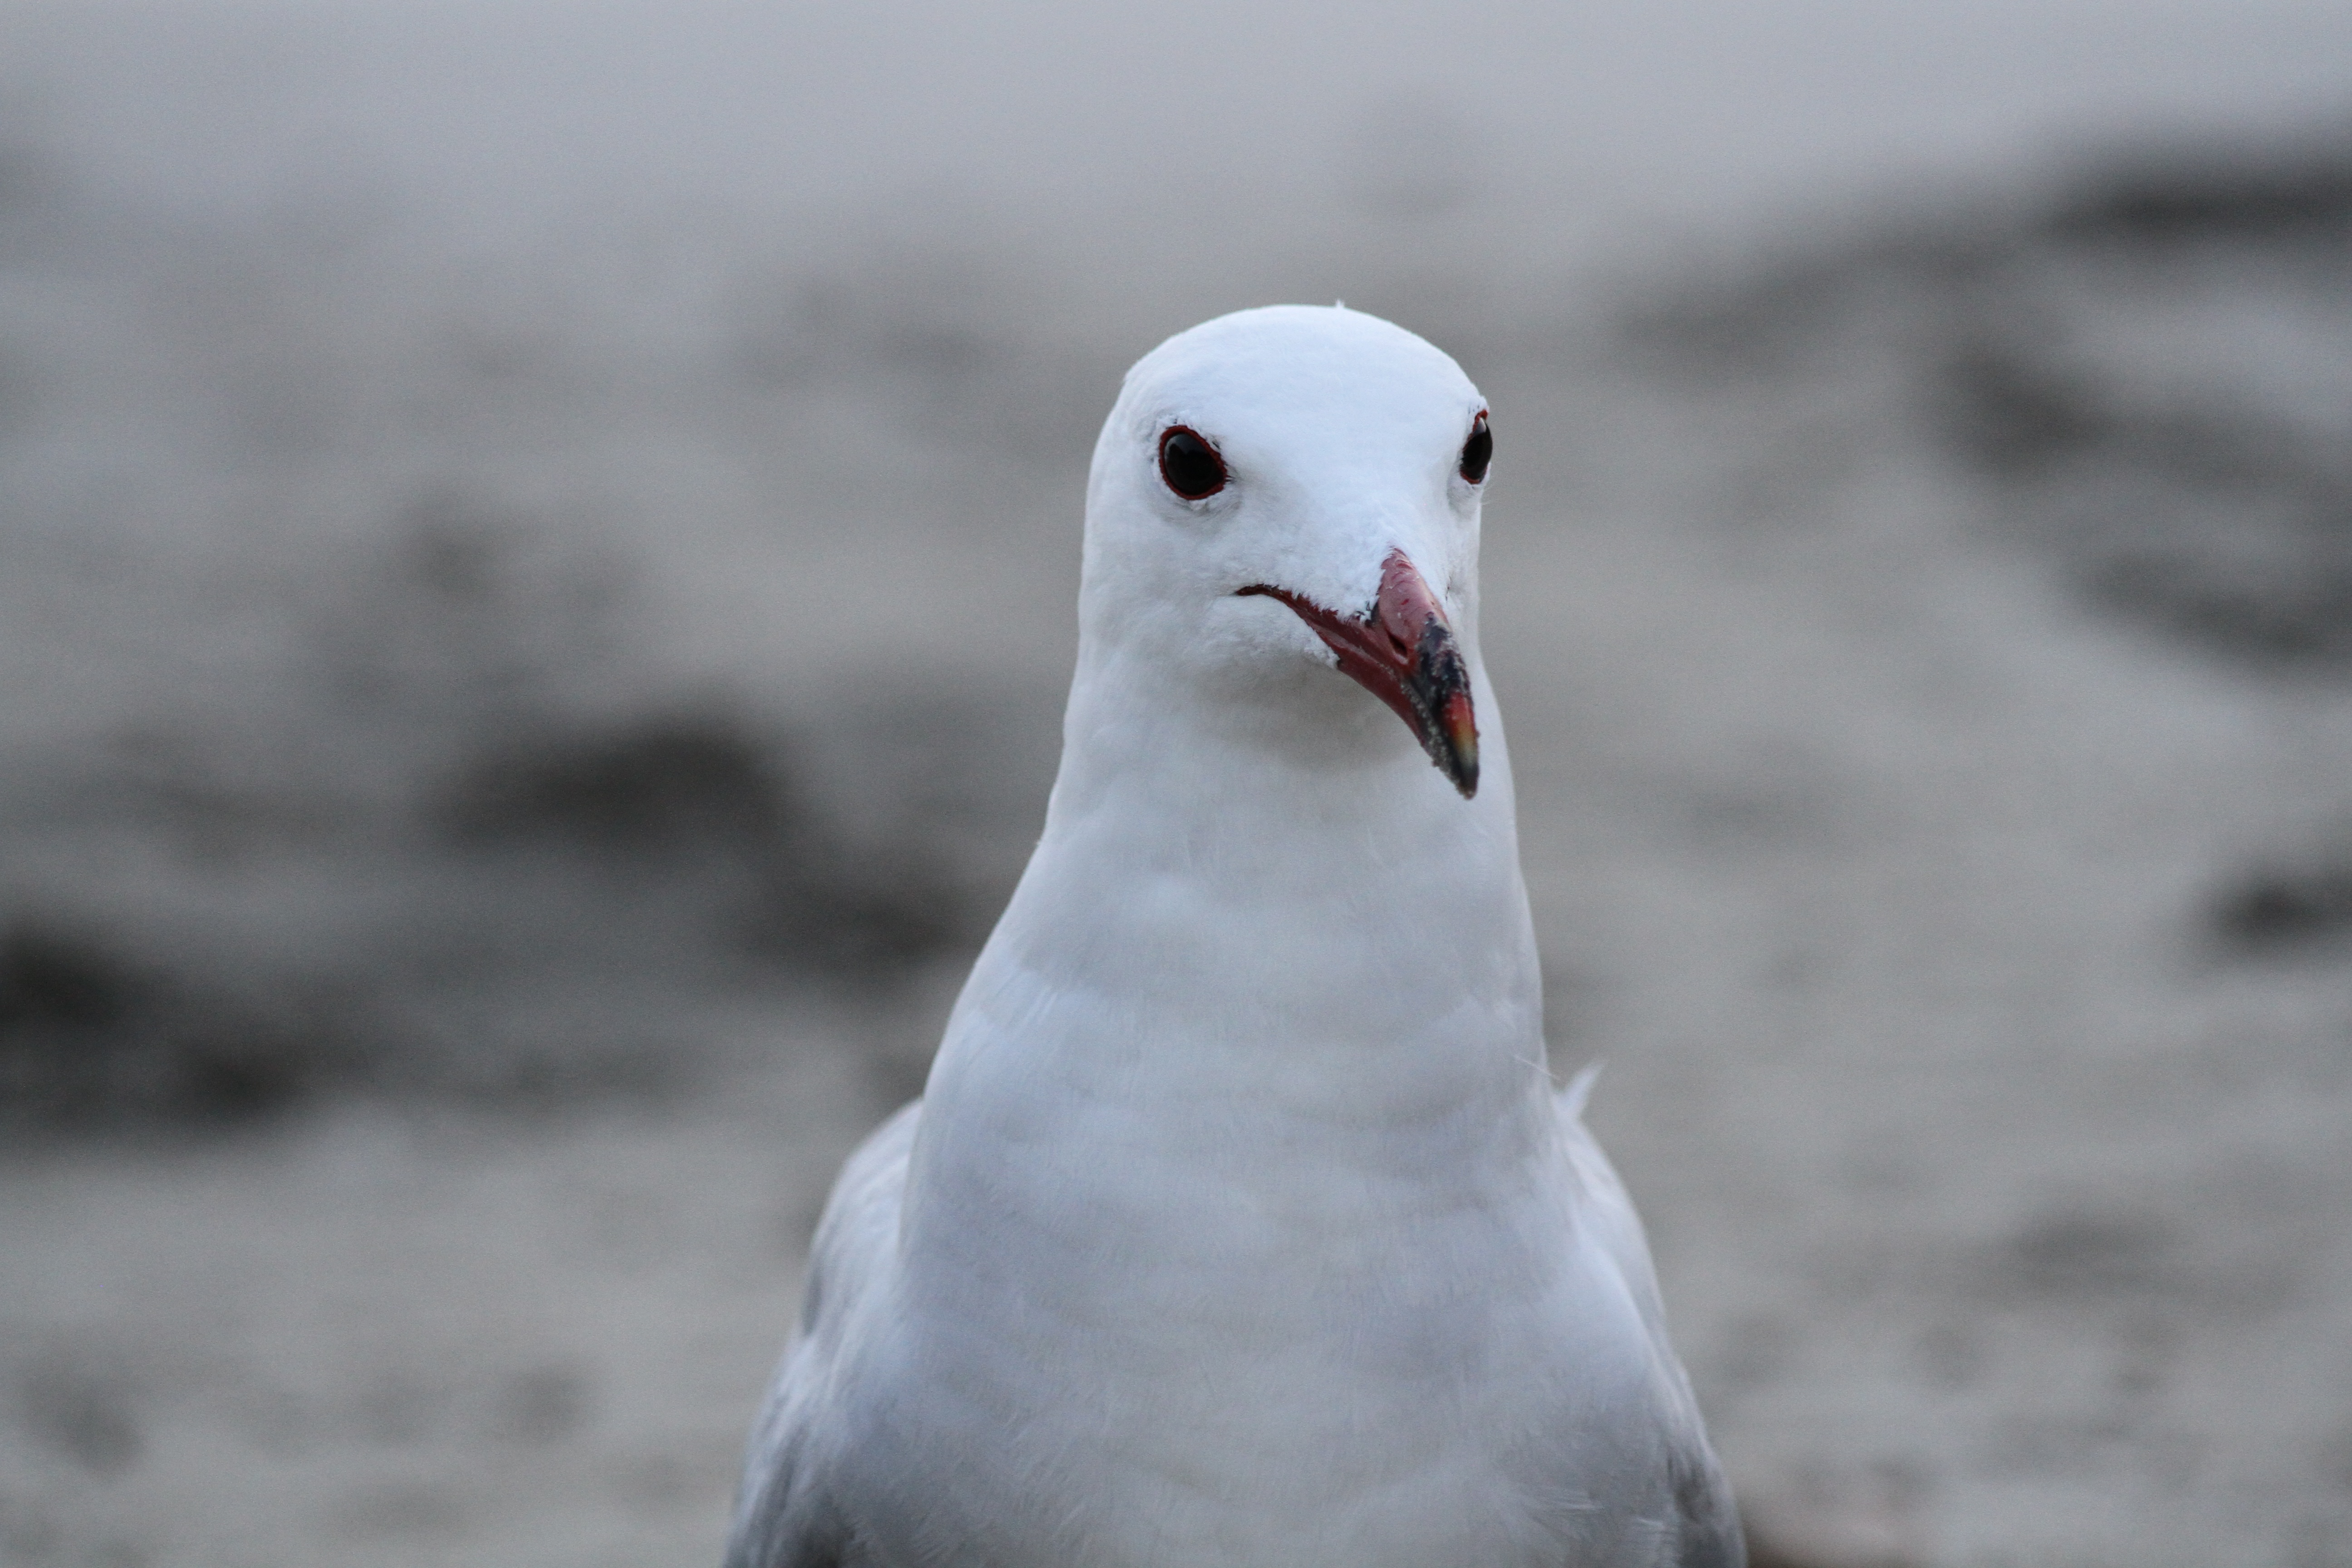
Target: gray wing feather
[(1706, 1522), (783, 1517), (1707, 1533)]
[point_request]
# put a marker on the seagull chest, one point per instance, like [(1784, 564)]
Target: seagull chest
[(1238, 1364)]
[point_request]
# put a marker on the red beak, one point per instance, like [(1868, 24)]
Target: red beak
[(1401, 650)]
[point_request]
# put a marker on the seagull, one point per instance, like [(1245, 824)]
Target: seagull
[(1240, 1223)]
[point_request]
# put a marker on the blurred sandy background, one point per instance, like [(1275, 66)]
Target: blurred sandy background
[(537, 548)]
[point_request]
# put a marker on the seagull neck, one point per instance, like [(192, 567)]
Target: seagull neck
[(1237, 993), (1212, 894)]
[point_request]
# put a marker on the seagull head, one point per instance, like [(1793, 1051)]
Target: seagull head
[(1285, 500)]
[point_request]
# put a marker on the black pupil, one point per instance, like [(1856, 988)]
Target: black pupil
[(1477, 452), (1190, 465)]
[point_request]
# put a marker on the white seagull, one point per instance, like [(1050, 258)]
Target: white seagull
[(1239, 1223)]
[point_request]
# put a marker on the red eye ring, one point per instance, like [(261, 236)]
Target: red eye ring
[(1189, 464), (1477, 451)]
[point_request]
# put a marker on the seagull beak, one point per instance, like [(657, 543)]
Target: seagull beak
[(1401, 650)]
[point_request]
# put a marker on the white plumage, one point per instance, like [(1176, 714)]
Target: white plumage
[(1239, 1223)]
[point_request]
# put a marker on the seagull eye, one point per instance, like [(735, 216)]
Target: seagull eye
[(1478, 451), (1190, 465)]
